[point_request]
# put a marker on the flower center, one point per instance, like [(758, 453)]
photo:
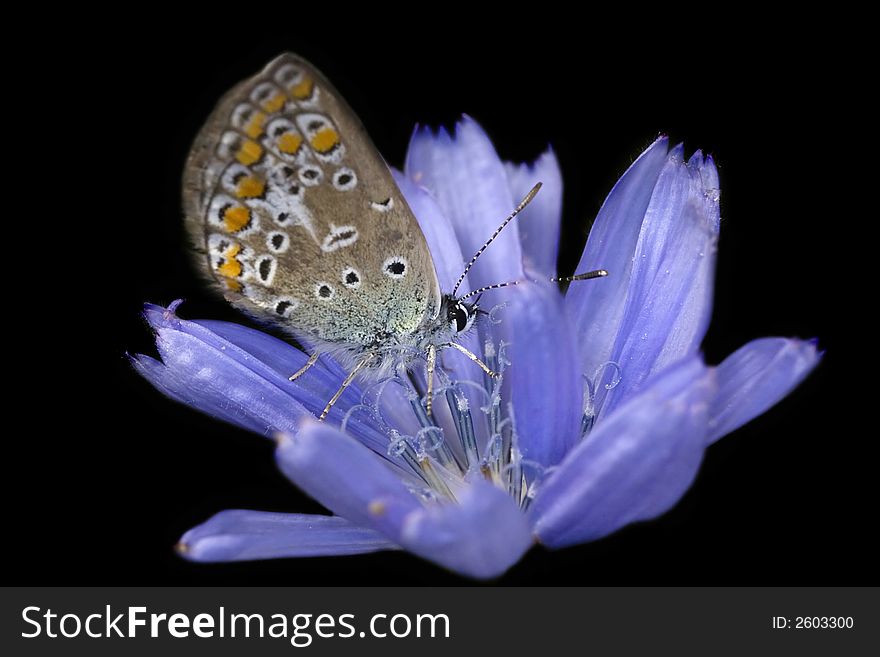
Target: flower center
[(473, 435)]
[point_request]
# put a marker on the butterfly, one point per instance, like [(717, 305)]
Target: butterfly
[(297, 219)]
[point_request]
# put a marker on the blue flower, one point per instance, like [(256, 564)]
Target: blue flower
[(599, 419)]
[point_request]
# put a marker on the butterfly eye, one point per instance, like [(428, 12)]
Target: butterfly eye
[(459, 317)]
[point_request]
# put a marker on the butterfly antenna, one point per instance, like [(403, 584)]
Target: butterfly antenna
[(597, 273), (519, 208)]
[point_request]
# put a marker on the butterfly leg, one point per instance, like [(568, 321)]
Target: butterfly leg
[(432, 361), (345, 384), (305, 368), (475, 358)]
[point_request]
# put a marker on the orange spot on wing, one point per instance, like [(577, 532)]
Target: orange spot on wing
[(303, 90), (231, 267), (289, 143), (256, 125), (250, 187), (325, 140), (235, 286), (249, 153), (235, 218), (275, 103)]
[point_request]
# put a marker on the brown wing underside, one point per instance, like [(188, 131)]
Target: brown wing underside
[(296, 216)]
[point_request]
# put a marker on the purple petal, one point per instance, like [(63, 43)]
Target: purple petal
[(634, 465), (438, 231), (232, 386), (240, 375), (469, 183), (319, 384), (543, 380), (239, 535), (469, 379), (669, 298), (481, 536), (345, 477), (539, 223), (597, 306), (755, 377), (210, 401)]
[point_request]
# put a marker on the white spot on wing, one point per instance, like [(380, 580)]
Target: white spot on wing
[(311, 175), (395, 267), (339, 237), (288, 75), (344, 179), (351, 278), (264, 269), (242, 113), (383, 206), (284, 306), (324, 291), (264, 92), (278, 242)]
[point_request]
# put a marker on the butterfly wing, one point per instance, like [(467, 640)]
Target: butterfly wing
[(296, 217)]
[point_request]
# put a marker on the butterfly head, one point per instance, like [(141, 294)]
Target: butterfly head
[(459, 314)]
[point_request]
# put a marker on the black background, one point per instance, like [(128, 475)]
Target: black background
[(107, 474)]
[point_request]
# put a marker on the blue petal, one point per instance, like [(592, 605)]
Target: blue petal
[(597, 306), (469, 183), (230, 385), (180, 389), (543, 379), (240, 375), (319, 384), (345, 477), (481, 536), (239, 535), (669, 297), (438, 231), (539, 223), (755, 377), (634, 465)]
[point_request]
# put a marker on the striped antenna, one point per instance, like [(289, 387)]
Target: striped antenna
[(519, 208), (597, 273)]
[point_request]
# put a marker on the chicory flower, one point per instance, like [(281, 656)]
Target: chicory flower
[(599, 419)]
